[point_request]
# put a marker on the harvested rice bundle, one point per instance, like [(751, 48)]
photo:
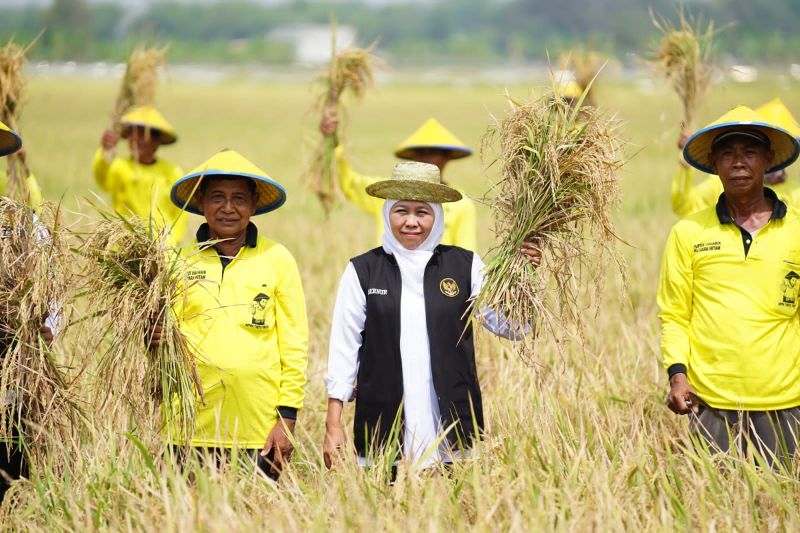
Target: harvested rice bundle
[(139, 83), (134, 280), (35, 401), (558, 183), (12, 82), (684, 58), (350, 71)]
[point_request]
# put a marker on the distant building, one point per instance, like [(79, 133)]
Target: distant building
[(312, 42)]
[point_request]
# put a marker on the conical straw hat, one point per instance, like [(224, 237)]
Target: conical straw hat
[(432, 135), (148, 117), (777, 113), (741, 118), (228, 163), (10, 142), (414, 181)]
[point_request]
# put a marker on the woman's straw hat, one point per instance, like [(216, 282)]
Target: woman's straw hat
[(415, 181), (147, 117), (432, 135), (231, 164), (10, 142), (741, 119), (777, 113)]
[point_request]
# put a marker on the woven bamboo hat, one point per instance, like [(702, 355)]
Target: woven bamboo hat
[(10, 142), (777, 113), (432, 135), (741, 120), (415, 181), (230, 164), (147, 117)]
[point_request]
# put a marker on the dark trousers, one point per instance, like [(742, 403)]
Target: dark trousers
[(12, 466), (771, 434), (220, 456)]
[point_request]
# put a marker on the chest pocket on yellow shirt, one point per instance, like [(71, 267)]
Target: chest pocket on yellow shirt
[(789, 283), (259, 314)]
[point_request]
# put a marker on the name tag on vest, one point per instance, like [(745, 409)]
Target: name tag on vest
[(380, 292)]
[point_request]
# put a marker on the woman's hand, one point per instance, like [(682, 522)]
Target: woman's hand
[(334, 433), (532, 251), (155, 332), (329, 122), (47, 335), (280, 443), (109, 139)]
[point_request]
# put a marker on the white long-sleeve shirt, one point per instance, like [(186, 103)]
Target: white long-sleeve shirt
[(420, 405)]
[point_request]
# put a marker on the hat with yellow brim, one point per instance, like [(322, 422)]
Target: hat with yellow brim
[(432, 135), (411, 180), (147, 117), (741, 119), (10, 142), (230, 164), (777, 113)]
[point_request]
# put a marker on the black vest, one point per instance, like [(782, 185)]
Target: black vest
[(447, 286)]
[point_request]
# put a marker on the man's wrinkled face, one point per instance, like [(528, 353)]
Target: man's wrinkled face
[(741, 162)]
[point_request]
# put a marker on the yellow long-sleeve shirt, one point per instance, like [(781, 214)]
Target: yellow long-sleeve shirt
[(142, 190), (688, 198), (34, 192), (459, 217), (729, 306), (247, 325)]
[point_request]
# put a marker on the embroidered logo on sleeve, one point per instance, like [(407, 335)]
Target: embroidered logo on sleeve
[(449, 287)]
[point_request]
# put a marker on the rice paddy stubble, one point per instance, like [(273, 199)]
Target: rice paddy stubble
[(583, 443)]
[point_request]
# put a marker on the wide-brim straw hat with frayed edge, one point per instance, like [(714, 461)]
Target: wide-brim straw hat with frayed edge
[(10, 142), (271, 195), (432, 135), (741, 118), (147, 117), (415, 181), (777, 113)]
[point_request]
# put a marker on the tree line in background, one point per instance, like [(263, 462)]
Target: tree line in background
[(477, 31)]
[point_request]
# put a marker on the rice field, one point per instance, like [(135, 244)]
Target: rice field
[(580, 441)]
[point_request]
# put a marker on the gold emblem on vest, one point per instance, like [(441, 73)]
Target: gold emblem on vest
[(449, 287)]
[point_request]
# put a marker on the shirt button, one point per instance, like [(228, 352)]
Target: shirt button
[(747, 241)]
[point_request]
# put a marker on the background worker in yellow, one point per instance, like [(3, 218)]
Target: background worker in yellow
[(140, 183), (243, 313), (727, 297), (13, 144), (431, 143), (688, 198)]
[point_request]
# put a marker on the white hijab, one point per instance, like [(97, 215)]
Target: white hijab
[(412, 262)]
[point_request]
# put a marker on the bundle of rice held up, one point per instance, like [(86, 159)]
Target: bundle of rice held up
[(34, 387), (12, 82), (133, 282), (683, 56), (350, 71), (558, 183)]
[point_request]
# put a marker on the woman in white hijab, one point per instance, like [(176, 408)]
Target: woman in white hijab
[(401, 345)]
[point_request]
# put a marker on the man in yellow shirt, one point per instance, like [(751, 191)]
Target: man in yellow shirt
[(140, 184), (688, 198), (729, 324), (431, 143), (244, 314)]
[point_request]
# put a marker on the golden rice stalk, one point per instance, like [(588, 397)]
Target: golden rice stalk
[(133, 281), (36, 402), (684, 58), (558, 183), (350, 71), (12, 83)]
